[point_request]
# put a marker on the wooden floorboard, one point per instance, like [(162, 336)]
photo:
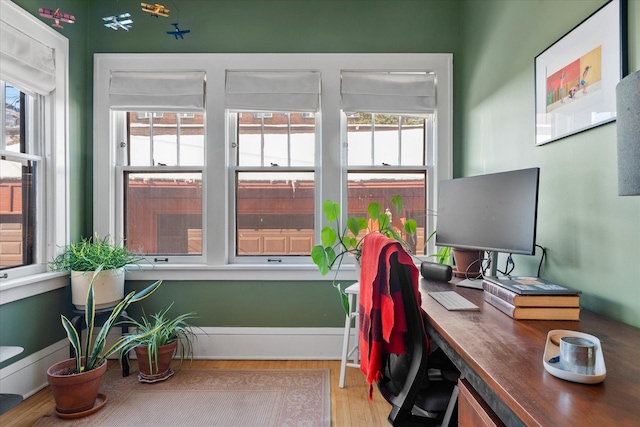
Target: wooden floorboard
[(350, 406)]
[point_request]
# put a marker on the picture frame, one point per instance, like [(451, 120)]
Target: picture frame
[(576, 77)]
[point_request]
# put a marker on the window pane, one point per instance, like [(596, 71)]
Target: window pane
[(270, 139), (274, 213), (169, 139), (17, 181), (17, 213), (359, 141), (413, 134), (163, 213), (365, 188), (389, 140), (13, 110)]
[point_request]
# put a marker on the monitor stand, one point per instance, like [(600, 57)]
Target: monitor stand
[(477, 283), (470, 283)]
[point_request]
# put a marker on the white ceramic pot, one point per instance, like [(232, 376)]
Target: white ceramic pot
[(108, 288)]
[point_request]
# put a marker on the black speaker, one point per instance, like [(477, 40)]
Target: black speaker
[(628, 106), (434, 271)]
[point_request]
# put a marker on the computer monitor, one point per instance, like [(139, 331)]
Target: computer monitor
[(494, 212)]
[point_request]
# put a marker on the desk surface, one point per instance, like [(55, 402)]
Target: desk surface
[(506, 354)]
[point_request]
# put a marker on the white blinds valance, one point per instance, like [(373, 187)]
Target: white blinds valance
[(157, 91), (385, 92), (25, 61), (273, 90)]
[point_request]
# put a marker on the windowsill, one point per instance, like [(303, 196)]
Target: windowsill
[(16, 289)]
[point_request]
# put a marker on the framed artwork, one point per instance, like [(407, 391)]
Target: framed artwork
[(576, 77)]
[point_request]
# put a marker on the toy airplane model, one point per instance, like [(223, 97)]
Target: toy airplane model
[(155, 10), (57, 16), (119, 21), (178, 32)]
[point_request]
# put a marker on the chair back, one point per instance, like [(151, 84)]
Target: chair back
[(403, 376)]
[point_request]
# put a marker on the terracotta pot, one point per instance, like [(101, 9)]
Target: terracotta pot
[(74, 393), (161, 370), (464, 258)]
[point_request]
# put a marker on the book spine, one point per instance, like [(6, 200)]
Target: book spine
[(547, 313), (502, 293), (499, 303)]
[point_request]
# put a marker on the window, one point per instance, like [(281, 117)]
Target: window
[(20, 167), (386, 157), (275, 185), (33, 141), (160, 161), (162, 178), (279, 134), (390, 143), (273, 163)]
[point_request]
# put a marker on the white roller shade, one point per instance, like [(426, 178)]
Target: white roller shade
[(273, 90), (157, 91), (25, 61), (385, 92)]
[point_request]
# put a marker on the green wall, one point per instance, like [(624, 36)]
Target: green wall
[(247, 303), (592, 235)]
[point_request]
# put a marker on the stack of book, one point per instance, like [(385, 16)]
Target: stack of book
[(531, 298)]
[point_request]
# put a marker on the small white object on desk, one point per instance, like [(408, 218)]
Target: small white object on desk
[(453, 301), (470, 283), (551, 361)]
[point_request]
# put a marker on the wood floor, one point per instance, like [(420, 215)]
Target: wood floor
[(350, 406)]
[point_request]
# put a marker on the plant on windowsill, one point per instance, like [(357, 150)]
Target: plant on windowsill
[(75, 382), (160, 338), (463, 259), (83, 258), (338, 241), (443, 256)]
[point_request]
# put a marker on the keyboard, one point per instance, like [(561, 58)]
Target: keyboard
[(453, 301)]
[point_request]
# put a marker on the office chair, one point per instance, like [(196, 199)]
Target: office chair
[(421, 388)]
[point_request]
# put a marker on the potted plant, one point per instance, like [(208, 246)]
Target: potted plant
[(83, 258), (468, 262), (443, 256), (464, 259), (75, 382), (159, 339), (338, 241)]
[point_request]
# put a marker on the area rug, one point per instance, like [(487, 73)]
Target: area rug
[(224, 398)]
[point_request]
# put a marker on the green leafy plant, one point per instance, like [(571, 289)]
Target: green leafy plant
[(338, 242), (94, 350), (443, 256), (89, 253), (159, 329)]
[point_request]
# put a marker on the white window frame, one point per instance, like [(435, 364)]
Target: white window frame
[(52, 192), (217, 206)]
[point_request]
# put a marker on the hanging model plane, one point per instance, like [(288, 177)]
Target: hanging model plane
[(57, 16), (178, 32), (119, 21), (155, 10)]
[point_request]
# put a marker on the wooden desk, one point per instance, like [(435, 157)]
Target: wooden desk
[(502, 359)]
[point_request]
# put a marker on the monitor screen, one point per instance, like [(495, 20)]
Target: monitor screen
[(494, 212)]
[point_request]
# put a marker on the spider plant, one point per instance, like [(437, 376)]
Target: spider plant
[(89, 253), (157, 330)]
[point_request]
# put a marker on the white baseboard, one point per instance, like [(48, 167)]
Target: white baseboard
[(269, 343), (29, 374)]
